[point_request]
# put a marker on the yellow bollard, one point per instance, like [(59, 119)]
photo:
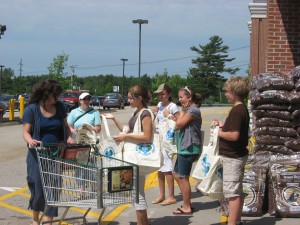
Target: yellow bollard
[(224, 219), (11, 108), (22, 104)]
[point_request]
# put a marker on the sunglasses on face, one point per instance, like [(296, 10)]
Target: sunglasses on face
[(86, 99)]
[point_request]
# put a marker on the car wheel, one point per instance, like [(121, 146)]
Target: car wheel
[(108, 108), (103, 108)]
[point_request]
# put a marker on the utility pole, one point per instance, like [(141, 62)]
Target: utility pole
[(1, 66), (123, 75), (21, 64), (73, 73)]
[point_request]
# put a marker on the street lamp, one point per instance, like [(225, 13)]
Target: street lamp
[(140, 22), (2, 29), (1, 66), (123, 75)]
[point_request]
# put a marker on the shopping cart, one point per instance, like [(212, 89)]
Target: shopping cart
[(75, 176)]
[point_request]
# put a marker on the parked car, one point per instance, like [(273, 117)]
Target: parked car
[(95, 101), (101, 99), (2, 110), (26, 101), (113, 100), (72, 97), (5, 98), (126, 102)]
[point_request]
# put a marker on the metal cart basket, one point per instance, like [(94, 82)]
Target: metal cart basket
[(86, 180)]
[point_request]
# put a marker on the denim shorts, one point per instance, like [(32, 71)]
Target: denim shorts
[(183, 165)]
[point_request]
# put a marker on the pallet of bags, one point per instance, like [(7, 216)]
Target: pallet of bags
[(285, 178), (254, 184)]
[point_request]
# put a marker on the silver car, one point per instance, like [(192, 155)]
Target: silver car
[(113, 100)]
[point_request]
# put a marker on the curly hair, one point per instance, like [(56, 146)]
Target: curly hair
[(42, 90), (140, 90), (238, 86)]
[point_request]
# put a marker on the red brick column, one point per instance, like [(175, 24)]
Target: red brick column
[(283, 51)]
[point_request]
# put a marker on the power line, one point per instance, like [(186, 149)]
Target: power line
[(146, 62)]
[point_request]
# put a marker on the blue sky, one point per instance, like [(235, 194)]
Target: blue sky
[(96, 34)]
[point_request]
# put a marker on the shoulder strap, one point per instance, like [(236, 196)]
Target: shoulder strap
[(83, 114)]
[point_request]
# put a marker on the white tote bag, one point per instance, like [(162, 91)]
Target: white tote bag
[(212, 183), (86, 136), (147, 156), (107, 145), (168, 134), (208, 154)]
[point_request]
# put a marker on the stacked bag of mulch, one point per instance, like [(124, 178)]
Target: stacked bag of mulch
[(254, 184), (275, 101)]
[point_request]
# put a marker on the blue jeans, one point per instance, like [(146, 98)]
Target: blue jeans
[(183, 165)]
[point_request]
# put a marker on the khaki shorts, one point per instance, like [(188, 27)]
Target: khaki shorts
[(233, 175)]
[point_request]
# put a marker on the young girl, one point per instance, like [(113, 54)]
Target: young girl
[(189, 125), (138, 97), (164, 108)]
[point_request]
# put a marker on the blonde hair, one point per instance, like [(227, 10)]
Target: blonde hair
[(238, 86)]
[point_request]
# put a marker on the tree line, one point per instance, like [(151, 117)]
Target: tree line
[(205, 77)]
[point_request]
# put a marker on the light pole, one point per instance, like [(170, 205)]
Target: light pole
[(1, 66), (140, 22), (123, 75)]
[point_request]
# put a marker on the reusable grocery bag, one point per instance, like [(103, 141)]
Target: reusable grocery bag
[(107, 145), (87, 136), (212, 184), (147, 156), (208, 154), (168, 135)]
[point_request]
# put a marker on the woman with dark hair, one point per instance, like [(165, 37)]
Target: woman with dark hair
[(189, 125), (44, 121), (138, 97), (165, 108)]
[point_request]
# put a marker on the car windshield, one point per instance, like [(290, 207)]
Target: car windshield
[(70, 95), (111, 96), (5, 97)]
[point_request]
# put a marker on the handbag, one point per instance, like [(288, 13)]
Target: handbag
[(208, 154), (147, 156), (107, 145)]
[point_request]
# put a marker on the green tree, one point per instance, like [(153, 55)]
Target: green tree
[(7, 80), (206, 76), (57, 70)]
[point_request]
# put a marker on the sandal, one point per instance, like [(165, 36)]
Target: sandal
[(179, 211)]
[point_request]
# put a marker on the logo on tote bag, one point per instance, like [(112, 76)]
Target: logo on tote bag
[(205, 164), (170, 134), (109, 151), (145, 149)]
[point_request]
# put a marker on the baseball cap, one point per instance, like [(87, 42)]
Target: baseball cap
[(160, 88), (83, 95)]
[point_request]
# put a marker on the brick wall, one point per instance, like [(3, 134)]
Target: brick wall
[(283, 36)]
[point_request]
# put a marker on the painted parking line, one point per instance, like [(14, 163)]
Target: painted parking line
[(150, 182)]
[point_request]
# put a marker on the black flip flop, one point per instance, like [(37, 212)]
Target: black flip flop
[(181, 212)]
